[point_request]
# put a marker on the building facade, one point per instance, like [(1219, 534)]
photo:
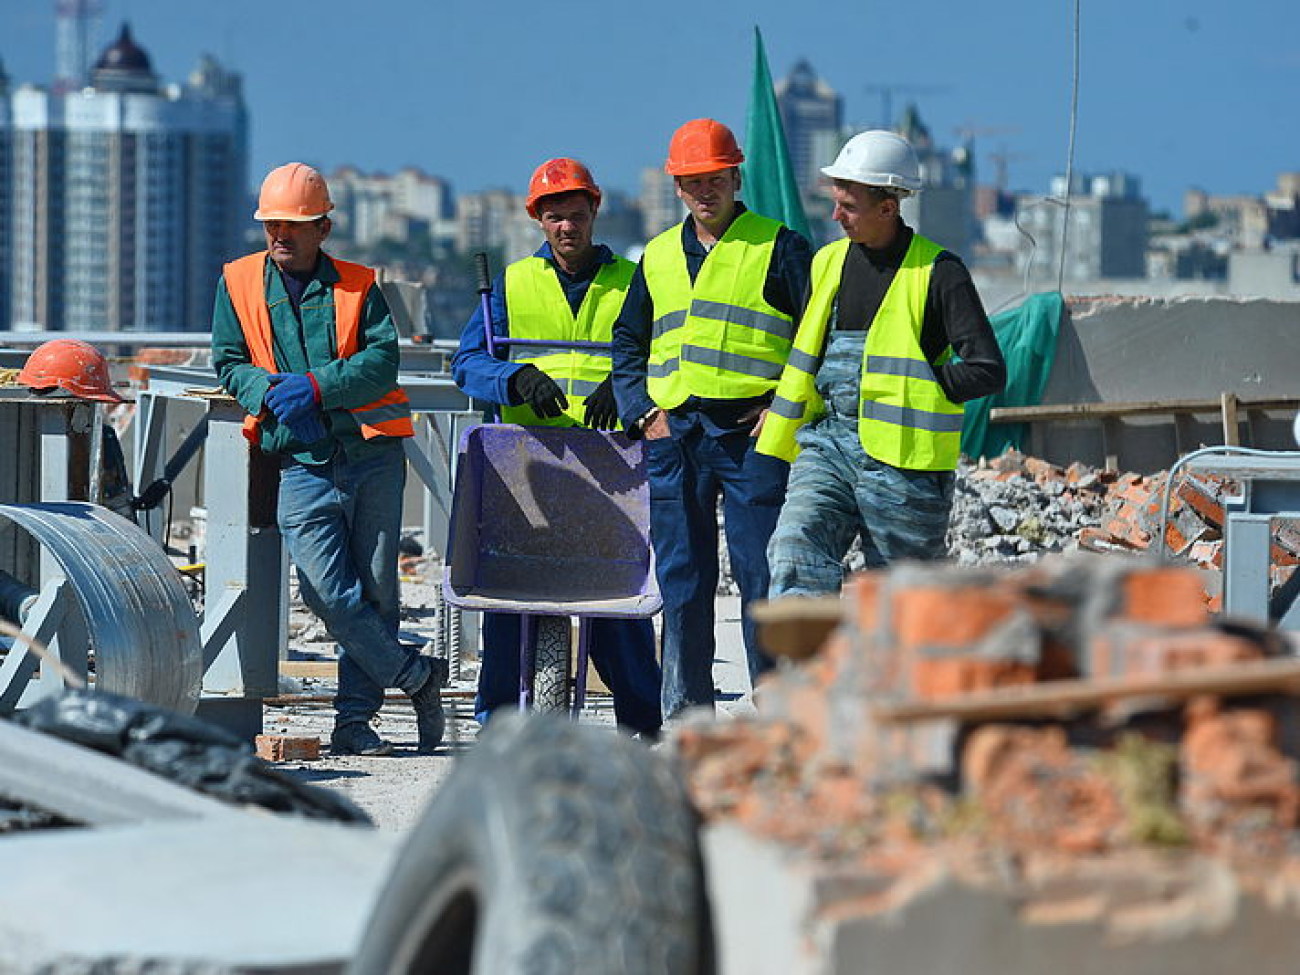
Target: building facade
[(1107, 232), (124, 197), (812, 114)]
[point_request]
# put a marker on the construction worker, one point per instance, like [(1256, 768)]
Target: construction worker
[(870, 400), (71, 367), (570, 290), (307, 346), (698, 348)]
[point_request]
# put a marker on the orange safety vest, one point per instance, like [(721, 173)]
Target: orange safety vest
[(388, 416)]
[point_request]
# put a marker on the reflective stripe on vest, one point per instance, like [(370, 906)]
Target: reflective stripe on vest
[(537, 308), (388, 416), (905, 418), (718, 338)]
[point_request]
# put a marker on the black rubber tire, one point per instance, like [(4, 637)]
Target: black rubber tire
[(553, 848), (552, 638)]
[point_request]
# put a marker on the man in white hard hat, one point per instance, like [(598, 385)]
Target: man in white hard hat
[(306, 344), (893, 341)]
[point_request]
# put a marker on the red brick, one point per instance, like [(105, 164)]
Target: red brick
[(943, 677), (948, 617), (287, 748), (1166, 596)]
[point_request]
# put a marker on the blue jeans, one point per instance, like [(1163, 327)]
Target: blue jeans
[(341, 521), (622, 651), (687, 472), (838, 491)]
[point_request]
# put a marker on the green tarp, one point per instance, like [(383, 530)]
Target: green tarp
[(1027, 335)]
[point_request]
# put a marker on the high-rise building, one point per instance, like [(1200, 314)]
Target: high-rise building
[(812, 116), (660, 206), (1106, 234), (6, 197), (77, 36), (126, 196), (374, 207)]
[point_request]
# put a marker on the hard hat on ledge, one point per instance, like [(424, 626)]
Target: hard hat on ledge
[(72, 365), (293, 191), (877, 158), (557, 176)]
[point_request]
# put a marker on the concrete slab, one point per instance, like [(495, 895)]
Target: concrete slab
[(252, 891), (778, 911)]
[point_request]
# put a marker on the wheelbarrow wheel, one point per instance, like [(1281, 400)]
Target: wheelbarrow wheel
[(553, 637), (553, 847)]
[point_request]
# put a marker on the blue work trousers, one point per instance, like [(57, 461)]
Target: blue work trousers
[(838, 491), (341, 521), (687, 472), (622, 651)]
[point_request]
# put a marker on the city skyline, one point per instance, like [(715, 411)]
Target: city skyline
[(1182, 98)]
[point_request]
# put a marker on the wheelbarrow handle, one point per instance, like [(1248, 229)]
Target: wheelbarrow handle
[(485, 300)]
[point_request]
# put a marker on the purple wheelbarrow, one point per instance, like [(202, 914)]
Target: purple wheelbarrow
[(552, 523)]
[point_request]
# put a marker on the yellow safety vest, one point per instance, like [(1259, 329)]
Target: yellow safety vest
[(538, 309), (718, 338), (905, 419)]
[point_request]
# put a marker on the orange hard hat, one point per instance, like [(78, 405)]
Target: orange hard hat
[(69, 364), (293, 191), (702, 146), (560, 176)]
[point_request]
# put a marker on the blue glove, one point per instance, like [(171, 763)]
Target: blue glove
[(292, 396), (307, 430)]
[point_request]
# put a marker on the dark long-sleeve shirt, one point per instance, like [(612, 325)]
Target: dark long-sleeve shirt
[(786, 289), (487, 378), (954, 315)]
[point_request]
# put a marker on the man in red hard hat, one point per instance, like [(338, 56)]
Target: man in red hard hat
[(569, 290), (307, 346), (698, 349)]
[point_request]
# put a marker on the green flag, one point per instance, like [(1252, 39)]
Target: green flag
[(769, 184)]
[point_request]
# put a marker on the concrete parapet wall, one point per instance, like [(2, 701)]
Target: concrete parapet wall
[(1124, 350)]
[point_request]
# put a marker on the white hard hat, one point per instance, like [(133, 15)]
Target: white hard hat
[(877, 158)]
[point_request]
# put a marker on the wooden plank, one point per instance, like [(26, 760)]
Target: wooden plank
[(1231, 430), (309, 668), (1087, 411), (1056, 699)]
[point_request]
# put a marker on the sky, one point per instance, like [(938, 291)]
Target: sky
[(1196, 94)]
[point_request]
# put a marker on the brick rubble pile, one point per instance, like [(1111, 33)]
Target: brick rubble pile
[(863, 763)]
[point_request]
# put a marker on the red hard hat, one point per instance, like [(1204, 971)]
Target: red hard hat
[(69, 364), (560, 176), (702, 146), (293, 191)]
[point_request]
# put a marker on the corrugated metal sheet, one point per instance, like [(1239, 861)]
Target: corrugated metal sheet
[(143, 631)]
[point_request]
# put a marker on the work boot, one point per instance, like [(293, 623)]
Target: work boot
[(358, 738), (429, 716)]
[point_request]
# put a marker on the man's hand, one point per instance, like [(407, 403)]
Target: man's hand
[(656, 428), (532, 386), (602, 411), (292, 397), (307, 430)]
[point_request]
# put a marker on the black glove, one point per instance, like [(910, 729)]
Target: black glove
[(532, 386), (602, 411)]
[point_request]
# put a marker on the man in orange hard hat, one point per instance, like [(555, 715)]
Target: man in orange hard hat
[(307, 346), (569, 290), (698, 349)]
